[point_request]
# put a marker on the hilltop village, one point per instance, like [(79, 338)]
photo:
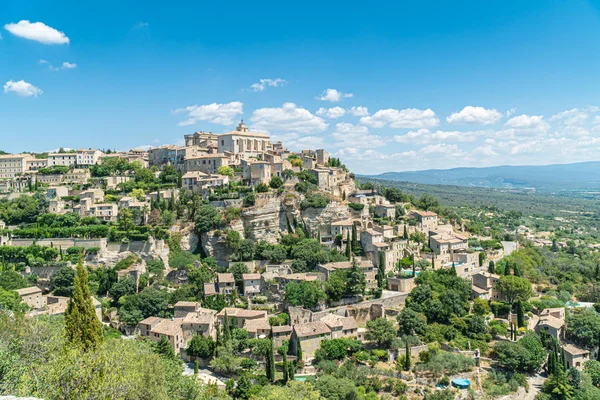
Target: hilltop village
[(255, 264)]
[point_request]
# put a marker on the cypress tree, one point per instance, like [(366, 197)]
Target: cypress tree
[(357, 280), (405, 232), (407, 358), (453, 269), (299, 352), (414, 268), (354, 237), (218, 338), (597, 272), (551, 366), (507, 268), (82, 326), (195, 367), (270, 362), (563, 358), (492, 267), (381, 270), (516, 270), (226, 329), (344, 195), (292, 371), (348, 246), (520, 314), (433, 262), (286, 370)]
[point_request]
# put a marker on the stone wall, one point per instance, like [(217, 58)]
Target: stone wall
[(65, 243)]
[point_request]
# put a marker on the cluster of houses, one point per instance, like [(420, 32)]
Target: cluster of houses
[(46, 304), (552, 321), (191, 319)]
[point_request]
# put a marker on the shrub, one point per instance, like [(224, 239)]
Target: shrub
[(356, 206)]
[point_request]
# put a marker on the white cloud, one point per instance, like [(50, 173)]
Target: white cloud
[(423, 136), (22, 88), (486, 150), (264, 83), (355, 136), (288, 117), (37, 31), (407, 118), (333, 95), (333, 112), (450, 150), (574, 116), (359, 111), (65, 65), (528, 123), (511, 112), (222, 114), (474, 115)]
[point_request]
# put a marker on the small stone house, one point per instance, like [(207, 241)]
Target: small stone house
[(309, 336), (32, 296)]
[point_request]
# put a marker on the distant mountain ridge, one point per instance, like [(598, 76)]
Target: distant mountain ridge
[(554, 177)]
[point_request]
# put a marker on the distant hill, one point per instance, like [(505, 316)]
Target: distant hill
[(555, 177)]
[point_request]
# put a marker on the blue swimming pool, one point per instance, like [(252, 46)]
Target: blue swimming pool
[(461, 383)]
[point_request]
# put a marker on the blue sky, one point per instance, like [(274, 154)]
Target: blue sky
[(433, 85)]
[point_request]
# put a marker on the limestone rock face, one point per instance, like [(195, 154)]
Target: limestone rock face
[(214, 246), (320, 219), (189, 239), (265, 221)]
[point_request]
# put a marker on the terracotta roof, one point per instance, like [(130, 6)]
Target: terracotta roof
[(248, 277), (202, 319), (574, 350), (253, 325), (554, 322), (548, 311), (348, 264), (332, 321), (209, 289), (345, 222), (225, 278), (349, 323), (151, 320), (186, 304), (425, 213), (250, 314), (300, 277), (282, 329), (167, 327), (29, 290), (311, 329)]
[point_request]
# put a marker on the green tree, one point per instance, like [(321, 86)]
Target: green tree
[(226, 171), (82, 327), (592, 368), (305, 294), (270, 361), (382, 331), (348, 246), (520, 314), (357, 281), (201, 346), (411, 322), (492, 267), (335, 286), (557, 385), (514, 288), (481, 307), (242, 390), (407, 358), (62, 282), (276, 182), (381, 270)]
